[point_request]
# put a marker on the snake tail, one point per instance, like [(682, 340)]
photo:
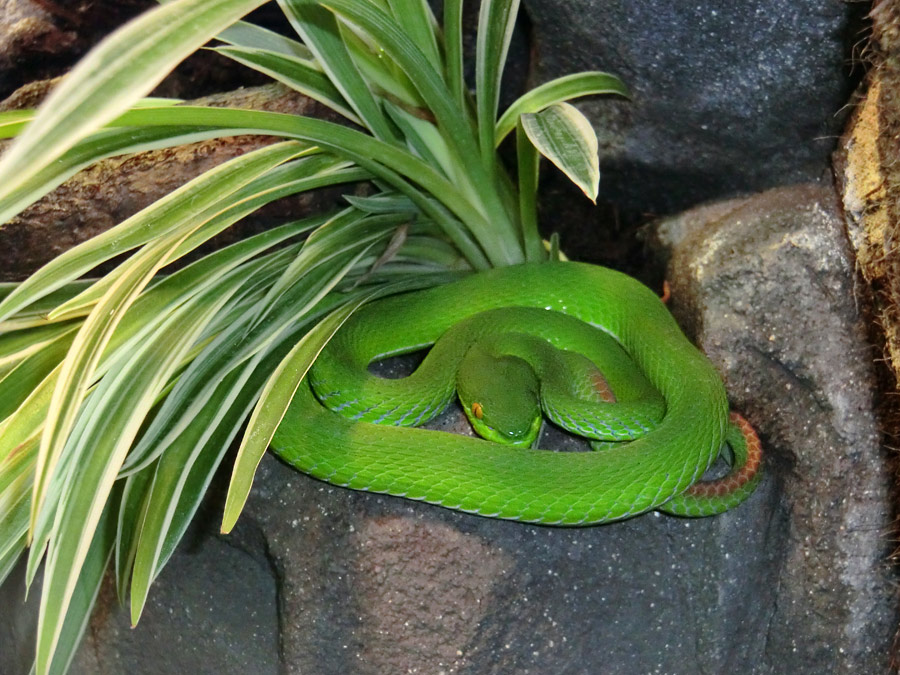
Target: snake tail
[(707, 498)]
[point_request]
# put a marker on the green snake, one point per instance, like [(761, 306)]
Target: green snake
[(655, 408)]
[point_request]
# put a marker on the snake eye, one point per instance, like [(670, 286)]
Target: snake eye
[(477, 410)]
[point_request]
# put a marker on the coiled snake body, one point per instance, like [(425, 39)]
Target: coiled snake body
[(669, 399)]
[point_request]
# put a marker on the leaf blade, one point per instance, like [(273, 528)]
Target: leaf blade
[(320, 33), (124, 67), (565, 137), (496, 20), (295, 73), (202, 192), (122, 401), (558, 90), (270, 409)]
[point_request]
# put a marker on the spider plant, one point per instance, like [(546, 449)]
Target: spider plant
[(120, 395)]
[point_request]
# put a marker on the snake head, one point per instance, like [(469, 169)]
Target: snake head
[(500, 397)]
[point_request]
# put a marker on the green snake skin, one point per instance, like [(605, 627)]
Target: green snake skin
[(668, 456)]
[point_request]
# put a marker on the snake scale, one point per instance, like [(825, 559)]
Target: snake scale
[(678, 436)]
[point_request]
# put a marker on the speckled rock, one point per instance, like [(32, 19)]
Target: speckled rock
[(727, 98), (214, 610), (771, 282)]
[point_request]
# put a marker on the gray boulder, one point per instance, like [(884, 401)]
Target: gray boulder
[(728, 97)]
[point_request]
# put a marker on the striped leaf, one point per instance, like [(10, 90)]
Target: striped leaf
[(565, 137)]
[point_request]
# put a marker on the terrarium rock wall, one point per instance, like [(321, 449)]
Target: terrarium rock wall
[(771, 285), (727, 97)]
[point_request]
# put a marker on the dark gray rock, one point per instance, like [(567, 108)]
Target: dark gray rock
[(771, 282), (373, 584), (728, 97), (213, 610)]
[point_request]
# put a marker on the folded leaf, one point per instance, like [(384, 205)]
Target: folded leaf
[(565, 137)]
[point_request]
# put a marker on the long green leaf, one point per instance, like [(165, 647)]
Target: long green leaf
[(417, 21), (391, 166), (500, 236), (210, 226), (78, 367), (131, 514), (384, 202), (150, 447), (427, 142), (102, 144), (16, 346), (496, 20), (124, 67), (13, 122), (28, 375), (81, 363), (292, 177), (161, 217), (85, 592), (16, 476), (347, 232), (57, 488), (251, 36), (453, 52), (239, 341), (270, 409), (400, 48), (99, 145), (320, 33), (36, 313), (28, 419), (528, 160), (294, 72), (565, 137), (198, 276), (557, 91), (15, 503), (183, 474), (9, 561), (123, 399)]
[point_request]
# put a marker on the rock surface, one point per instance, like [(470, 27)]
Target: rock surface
[(325, 580), (727, 98), (41, 39), (773, 284)]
